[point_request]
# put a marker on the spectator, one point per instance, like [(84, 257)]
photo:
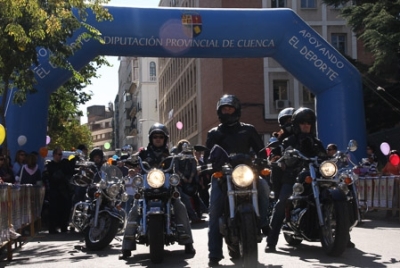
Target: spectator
[(130, 190), (30, 172), (84, 149), (19, 161), (56, 175), (122, 167), (6, 173)]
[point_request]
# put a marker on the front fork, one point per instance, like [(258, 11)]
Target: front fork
[(231, 197), (97, 209)]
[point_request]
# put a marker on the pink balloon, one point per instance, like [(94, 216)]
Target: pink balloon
[(48, 140), (179, 125), (394, 159), (385, 148)]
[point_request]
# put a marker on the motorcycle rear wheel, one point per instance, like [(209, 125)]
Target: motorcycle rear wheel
[(335, 232), (248, 240), (155, 233), (97, 238)]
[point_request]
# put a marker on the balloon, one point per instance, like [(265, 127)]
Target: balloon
[(48, 140), (109, 161), (385, 148), (2, 134), (71, 157), (394, 159), (107, 145), (43, 151), (179, 125), (115, 157), (21, 140)]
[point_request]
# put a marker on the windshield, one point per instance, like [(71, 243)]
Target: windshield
[(111, 173)]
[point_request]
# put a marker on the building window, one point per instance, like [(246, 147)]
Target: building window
[(278, 3), (308, 97), (152, 71), (280, 89), (308, 4), (338, 41)]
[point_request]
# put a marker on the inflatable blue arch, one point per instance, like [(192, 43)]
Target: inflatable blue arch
[(212, 33)]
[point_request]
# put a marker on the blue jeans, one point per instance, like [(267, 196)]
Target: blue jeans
[(217, 201), (278, 215)]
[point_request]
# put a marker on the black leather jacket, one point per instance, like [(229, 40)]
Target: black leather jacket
[(236, 138), (153, 155), (308, 145)]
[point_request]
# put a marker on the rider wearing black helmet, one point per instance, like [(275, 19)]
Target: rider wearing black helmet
[(234, 137), (155, 152), (304, 139)]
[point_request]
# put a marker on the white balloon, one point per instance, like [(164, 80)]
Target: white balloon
[(21, 140)]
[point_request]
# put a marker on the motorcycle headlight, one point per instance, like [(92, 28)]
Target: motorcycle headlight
[(138, 181), (103, 184), (328, 169), (113, 190), (298, 188), (124, 197), (156, 178), (242, 176), (174, 180)]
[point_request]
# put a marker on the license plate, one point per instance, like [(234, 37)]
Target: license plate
[(155, 209)]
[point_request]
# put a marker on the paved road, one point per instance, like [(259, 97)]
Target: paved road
[(377, 245)]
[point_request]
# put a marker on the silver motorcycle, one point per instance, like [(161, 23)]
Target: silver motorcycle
[(101, 216)]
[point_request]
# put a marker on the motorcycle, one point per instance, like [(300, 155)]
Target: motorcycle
[(101, 216), (240, 221), (322, 199), (156, 190)]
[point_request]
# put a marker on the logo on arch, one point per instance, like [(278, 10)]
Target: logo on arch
[(192, 24)]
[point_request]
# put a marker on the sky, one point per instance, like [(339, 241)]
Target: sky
[(109, 75)]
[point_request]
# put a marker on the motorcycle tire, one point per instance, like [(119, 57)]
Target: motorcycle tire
[(155, 234), (97, 238), (248, 240), (335, 232), (291, 240)]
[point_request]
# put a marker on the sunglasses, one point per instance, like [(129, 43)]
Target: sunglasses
[(305, 123), (158, 137), (22, 154), (330, 149)]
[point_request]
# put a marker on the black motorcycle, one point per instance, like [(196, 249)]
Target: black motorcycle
[(240, 222), (101, 216), (322, 199)]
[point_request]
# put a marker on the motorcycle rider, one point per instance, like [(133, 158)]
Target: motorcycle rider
[(303, 139), (154, 154), (97, 157), (285, 123), (234, 137)]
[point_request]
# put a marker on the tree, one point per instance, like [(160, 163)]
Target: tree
[(377, 24), (63, 128), (28, 24)]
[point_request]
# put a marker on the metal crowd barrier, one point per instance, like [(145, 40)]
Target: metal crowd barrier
[(379, 192), (20, 207)]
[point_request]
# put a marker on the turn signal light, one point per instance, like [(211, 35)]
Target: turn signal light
[(265, 172), (218, 174), (348, 180), (308, 180)]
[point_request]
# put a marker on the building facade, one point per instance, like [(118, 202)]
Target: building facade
[(100, 123), (190, 88), (136, 102)]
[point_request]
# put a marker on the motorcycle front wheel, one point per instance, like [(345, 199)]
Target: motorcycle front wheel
[(248, 240), (156, 238), (99, 237), (335, 232)]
